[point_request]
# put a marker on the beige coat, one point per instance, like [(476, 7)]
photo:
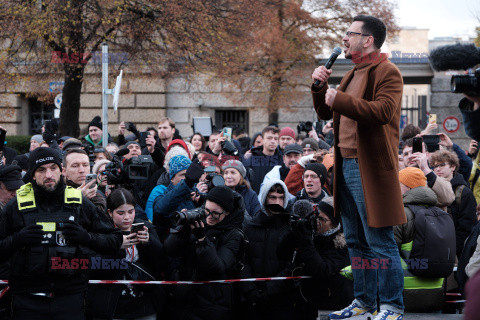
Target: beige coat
[(378, 125)]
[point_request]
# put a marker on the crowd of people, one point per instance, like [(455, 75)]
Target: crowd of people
[(337, 207)]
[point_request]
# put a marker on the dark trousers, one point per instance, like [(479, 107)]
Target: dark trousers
[(60, 307)]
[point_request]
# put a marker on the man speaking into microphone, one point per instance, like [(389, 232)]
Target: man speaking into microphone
[(366, 121)]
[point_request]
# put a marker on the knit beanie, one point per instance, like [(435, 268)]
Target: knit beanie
[(131, 142), (41, 156), (38, 138), (327, 209), (235, 164), (96, 122), (310, 143), (177, 164), (287, 131), (412, 177), (98, 164), (319, 169), (223, 196)]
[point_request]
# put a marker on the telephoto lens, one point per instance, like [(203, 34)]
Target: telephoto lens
[(187, 217)]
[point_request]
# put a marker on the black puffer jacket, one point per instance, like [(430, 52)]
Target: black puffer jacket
[(465, 214), (264, 234), (212, 259), (322, 259), (107, 301)]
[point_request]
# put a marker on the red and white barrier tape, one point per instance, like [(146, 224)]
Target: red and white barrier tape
[(4, 290), (187, 282)]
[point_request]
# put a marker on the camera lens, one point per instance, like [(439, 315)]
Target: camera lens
[(464, 83)]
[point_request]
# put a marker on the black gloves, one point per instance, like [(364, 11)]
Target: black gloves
[(199, 232), (29, 236), (193, 174), (75, 233)]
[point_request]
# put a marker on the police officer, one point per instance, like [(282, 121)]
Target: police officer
[(10, 181), (46, 230)]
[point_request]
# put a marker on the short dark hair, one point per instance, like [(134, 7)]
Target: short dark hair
[(72, 151), (119, 197), (374, 27), (276, 188), (410, 131), (408, 143), (270, 129)]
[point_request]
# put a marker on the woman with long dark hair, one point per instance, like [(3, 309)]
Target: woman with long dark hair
[(141, 257)]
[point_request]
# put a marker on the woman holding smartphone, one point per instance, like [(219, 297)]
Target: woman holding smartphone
[(141, 257)]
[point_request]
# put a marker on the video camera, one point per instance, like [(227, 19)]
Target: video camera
[(459, 57), (125, 171), (304, 215), (307, 126), (187, 217)]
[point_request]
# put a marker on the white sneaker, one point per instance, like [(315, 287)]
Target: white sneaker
[(388, 315), (353, 312)]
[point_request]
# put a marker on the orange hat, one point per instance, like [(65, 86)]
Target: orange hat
[(412, 177), (328, 161)]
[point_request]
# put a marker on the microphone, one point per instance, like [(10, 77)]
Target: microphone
[(302, 209), (336, 52), (455, 57)]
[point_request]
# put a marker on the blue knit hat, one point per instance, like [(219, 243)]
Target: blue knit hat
[(177, 164)]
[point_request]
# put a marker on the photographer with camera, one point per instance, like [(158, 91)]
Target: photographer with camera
[(470, 108), (269, 299), (318, 247), (184, 174), (210, 247)]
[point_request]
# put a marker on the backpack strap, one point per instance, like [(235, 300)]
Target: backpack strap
[(458, 194), (475, 178)]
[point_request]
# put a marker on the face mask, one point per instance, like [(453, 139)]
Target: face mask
[(274, 207)]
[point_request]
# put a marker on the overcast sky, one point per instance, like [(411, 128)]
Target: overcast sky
[(441, 17)]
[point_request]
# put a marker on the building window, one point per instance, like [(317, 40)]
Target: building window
[(39, 112), (231, 118)]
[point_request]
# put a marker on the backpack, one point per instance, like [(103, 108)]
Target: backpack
[(434, 242)]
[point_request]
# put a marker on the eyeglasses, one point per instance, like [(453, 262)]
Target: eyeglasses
[(214, 213), (440, 165), (349, 33), (322, 219)]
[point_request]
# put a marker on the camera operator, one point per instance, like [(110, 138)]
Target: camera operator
[(209, 249), (76, 166), (269, 299), (47, 220), (470, 108), (143, 258), (319, 250), (183, 175)]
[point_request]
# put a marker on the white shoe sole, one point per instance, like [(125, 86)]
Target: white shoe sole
[(366, 316)]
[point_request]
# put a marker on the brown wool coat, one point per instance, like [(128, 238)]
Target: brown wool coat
[(378, 125)]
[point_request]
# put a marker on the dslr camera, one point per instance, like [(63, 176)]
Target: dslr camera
[(304, 215), (307, 126), (213, 179), (188, 217)]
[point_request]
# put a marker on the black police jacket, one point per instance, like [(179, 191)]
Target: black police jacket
[(35, 274)]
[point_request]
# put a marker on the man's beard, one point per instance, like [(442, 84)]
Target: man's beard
[(50, 187)]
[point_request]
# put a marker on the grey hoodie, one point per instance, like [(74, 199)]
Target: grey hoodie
[(266, 188)]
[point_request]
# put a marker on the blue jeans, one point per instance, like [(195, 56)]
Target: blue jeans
[(367, 245)]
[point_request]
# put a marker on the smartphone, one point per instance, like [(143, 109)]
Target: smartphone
[(90, 177), (417, 144), (431, 141), (227, 132), (432, 118), (141, 139), (137, 227)]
